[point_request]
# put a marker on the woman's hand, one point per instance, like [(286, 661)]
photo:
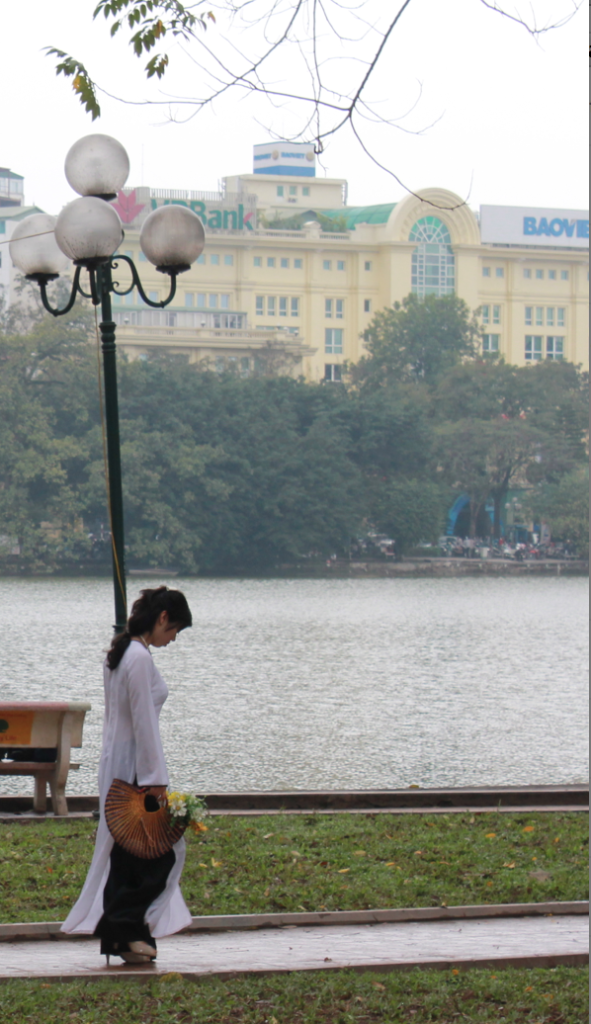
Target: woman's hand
[(159, 792)]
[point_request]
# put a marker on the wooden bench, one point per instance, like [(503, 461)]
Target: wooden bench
[(35, 739)]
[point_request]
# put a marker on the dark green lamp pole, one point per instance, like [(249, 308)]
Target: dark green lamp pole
[(88, 231)]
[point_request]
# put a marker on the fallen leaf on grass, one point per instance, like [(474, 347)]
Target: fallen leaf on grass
[(379, 986), (343, 871), (269, 835), (391, 864), (359, 853), (491, 835), (509, 865), (216, 863), (528, 828)]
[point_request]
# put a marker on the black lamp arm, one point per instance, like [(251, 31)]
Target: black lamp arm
[(136, 283), (42, 280)]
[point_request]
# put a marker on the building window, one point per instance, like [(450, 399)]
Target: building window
[(260, 305), (295, 307), (433, 261), (225, 301), (533, 347), (340, 264), (333, 372), (554, 348), (490, 342), (200, 259), (486, 314), (526, 272), (189, 297), (142, 256), (367, 305), (201, 300), (327, 265), (130, 298), (333, 340), (214, 259), (280, 191), (282, 307), (284, 263), (213, 302), (539, 316), (367, 265), (293, 190), (560, 316), (552, 275), (334, 307), (298, 264), (496, 316), (270, 261), (564, 275), (539, 275), (500, 271), (486, 271), (228, 260), (258, 261), (550, 316), (306, 190), (271, 306), (2, 227), (529, 316)]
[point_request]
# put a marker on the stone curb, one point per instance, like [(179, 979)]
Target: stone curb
[(151, 973), (470, 799), (42, 930)]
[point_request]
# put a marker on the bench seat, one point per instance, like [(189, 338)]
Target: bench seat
[(46, 726)]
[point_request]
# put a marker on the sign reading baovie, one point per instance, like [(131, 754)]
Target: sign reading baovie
[(526, 225)]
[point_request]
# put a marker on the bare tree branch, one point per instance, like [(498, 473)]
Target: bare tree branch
[(338, 45)]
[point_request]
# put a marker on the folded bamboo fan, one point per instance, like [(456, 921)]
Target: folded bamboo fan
[(144, 833)]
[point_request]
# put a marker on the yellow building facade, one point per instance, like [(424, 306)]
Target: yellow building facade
[(302, 292)]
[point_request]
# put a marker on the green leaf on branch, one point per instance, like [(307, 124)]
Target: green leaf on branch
[(82, 82)]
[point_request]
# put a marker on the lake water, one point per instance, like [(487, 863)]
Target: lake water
[(311, 684)]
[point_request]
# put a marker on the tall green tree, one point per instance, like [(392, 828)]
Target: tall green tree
[(502, 426), (417, 341)]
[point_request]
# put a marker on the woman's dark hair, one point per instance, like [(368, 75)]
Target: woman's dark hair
[(145, 613)]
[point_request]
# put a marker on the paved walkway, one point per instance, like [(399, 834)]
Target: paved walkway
[(529, 941)]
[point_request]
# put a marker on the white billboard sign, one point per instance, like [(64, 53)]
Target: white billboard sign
[(285, 158), (526, 225)]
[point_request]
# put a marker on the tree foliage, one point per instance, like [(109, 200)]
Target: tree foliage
[(226, 474), (417, 341)]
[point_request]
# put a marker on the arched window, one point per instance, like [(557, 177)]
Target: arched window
[(433, 261)]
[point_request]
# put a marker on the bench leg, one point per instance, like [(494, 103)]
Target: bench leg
[(40, 798), (58, 798)]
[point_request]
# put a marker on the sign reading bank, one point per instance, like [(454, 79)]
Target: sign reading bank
[(520, 225)]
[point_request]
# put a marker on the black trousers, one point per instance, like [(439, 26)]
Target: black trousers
[(133, 884)]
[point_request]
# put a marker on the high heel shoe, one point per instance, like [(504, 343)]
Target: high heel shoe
[(136, 958), (138, 953)]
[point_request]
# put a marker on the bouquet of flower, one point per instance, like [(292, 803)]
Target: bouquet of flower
[(188, 810)]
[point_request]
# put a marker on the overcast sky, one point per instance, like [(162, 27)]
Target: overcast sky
[(512, 112)]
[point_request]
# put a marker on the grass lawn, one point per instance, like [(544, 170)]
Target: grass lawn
[(341, 862), (558, 996)]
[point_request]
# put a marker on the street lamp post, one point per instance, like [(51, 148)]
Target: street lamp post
[(88, 233)]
